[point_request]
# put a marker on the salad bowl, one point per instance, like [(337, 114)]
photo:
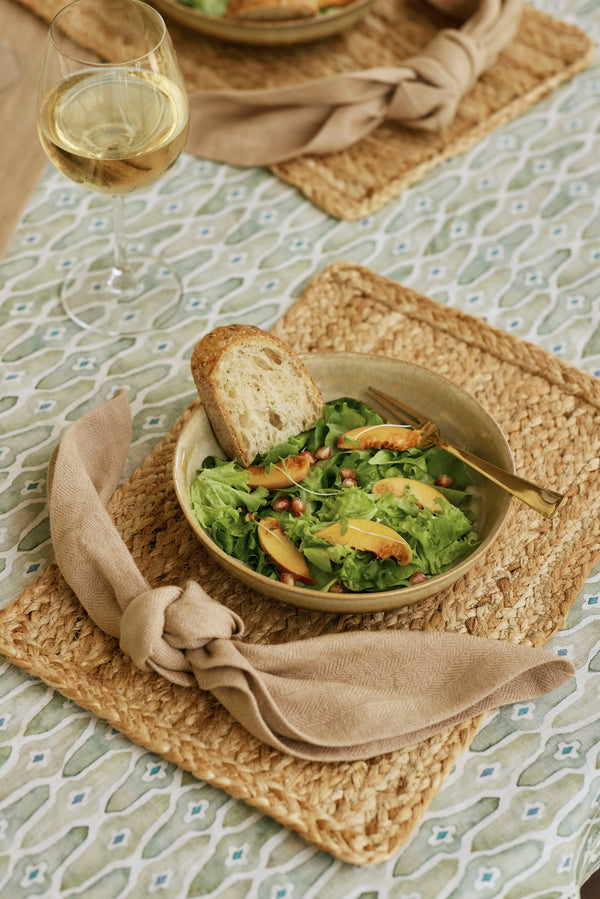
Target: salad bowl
[(461, 419)]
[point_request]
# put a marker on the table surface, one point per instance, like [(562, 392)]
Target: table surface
[(510, 232), (21, 157)]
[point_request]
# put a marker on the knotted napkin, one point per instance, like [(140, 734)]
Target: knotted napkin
[(263, 127), (334, 697)]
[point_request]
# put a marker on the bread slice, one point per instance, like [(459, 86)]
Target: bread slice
[(256, 391)]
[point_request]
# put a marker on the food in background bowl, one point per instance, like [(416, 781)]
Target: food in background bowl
[(261, 32), (265, 10), (348, 375)]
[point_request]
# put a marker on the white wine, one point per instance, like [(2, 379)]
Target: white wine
[(114, 130)]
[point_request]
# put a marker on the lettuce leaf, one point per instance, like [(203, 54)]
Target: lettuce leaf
[(221, 494)]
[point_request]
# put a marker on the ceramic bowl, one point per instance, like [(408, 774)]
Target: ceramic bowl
[(462, 420), (266, 34)]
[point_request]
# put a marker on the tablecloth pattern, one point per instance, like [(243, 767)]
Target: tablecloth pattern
[(509, 231)]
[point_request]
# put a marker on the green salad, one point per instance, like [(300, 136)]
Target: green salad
[(338, 489)]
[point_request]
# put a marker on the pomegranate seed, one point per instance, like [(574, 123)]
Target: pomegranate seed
[(417, 578), (347, 473), (444, 480), (336, 588), (324, 452), (309, 454), (298, 506), (282, 504), (349, 482)]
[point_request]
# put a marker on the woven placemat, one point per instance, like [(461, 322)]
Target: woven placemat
[(360, 812), (361, 179)]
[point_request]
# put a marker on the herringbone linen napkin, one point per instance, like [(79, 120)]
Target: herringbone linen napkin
[(334, 697), (263, 127)]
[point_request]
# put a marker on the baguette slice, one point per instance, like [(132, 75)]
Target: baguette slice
[(256, 391)]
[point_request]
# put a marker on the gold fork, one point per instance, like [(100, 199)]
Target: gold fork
[(541, 499)]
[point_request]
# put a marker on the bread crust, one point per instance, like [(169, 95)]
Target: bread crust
[(256, 391)]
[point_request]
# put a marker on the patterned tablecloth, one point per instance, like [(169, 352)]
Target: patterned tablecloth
[(510, 231)]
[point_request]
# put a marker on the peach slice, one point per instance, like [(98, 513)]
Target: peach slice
[(387, 436), (425, 494), (284, 473), (373, 536), (282, 551)]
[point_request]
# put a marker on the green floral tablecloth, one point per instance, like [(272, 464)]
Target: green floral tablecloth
[(510, 232)]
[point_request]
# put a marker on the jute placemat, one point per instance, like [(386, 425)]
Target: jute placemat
[(360, 812), (361, 179)]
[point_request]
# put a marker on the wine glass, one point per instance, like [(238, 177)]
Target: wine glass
[(114, 119)]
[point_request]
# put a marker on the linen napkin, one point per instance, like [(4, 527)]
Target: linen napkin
[(335, 697), (263, 127)]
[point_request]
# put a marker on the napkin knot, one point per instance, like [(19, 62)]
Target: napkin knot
[(265, 126), (444, 71), (159, 624)]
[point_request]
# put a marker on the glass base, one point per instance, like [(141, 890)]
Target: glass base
[(142, 299)]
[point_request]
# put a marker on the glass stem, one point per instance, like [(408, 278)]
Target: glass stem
[(120, 278)]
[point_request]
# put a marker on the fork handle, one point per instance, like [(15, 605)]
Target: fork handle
[(541, 499)]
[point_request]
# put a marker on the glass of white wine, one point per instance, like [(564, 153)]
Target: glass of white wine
[(114, 118)]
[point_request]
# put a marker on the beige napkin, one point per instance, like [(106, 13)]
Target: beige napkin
[(334, 697), (263, 127)]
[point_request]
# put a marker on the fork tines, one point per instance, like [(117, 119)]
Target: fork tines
[(400, 410)]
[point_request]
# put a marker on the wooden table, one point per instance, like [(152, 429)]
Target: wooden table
[(22, 159)]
